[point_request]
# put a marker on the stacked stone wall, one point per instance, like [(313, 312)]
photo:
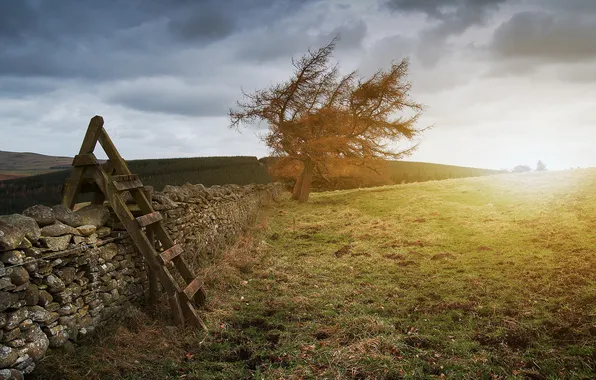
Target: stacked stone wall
[(63, 273)]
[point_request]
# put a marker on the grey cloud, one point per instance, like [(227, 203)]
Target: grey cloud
[(546, 37), (278, 41), (453, 17), (172, 97), (16, 88)]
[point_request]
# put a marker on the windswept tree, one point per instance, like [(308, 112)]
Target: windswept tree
[(540, 166), (319, 116)]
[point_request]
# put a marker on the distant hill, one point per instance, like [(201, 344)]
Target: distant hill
[(31, 162)]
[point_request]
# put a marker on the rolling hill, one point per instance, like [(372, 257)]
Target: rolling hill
[(21, 164)]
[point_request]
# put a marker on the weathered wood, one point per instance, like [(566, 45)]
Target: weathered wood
[(176, 307), (151, 276), (148, 219), (111, 179), (137, 235), (127, 185), (113, 154), (87, 159), (184, 269), (170, 253), (192, 316), (125, 177), (71, 188), (192, 288), (92, 135)]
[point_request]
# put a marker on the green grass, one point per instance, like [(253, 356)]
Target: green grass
[(491, 277)]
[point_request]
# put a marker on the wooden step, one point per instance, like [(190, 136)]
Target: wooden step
[(170, 253), (192, 288), (193, 316), (84, 160), (126, 182), (145, 220)]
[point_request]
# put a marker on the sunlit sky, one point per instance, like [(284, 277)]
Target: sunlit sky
[(504, 82)]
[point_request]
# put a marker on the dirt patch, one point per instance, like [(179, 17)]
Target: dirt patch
[(394, 256), (443, 256), (345, 250)]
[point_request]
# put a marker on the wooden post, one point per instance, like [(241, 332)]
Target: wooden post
[(78, 172), (152, 276)]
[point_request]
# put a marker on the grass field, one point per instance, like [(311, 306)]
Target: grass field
[(476, 278)]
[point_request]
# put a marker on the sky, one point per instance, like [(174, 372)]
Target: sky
[(504, 82)]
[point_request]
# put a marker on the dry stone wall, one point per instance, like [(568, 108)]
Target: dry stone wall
[(63, 273)]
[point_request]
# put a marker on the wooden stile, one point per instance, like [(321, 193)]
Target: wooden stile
[(147, 231)]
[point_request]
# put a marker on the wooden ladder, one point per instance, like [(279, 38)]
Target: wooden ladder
[(109, 181)]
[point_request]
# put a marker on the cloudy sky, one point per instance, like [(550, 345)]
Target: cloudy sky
[(505, 82)]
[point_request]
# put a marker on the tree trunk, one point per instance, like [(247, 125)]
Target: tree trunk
[(306, 182), (298, 184)]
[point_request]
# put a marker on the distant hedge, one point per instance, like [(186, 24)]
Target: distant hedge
[(20, 193)]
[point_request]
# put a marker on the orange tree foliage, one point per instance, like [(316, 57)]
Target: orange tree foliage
[(319, 117)]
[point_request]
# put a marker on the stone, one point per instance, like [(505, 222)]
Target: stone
[(25, 364), (6, 284), (11, 374), (12, 334), (96, 215), (86, 229), (83, 311), (30, 265), (91, 239), (58, 229), (58, 336), (33, 252), (67, 216), (8, 356), (108, 251), (13, 319), (44, 268), (25, 244), (7, 300), (67, 310), (66, 274), (38, 314), (45, 298), (162, 202), (10, 236), (26, 324), (19, 276), (37, 343), (103, 232), (13, 257), (43, 215), (32, 295), (68, 295), (16, 343), (24, 223), (3, 319), (54, 283), (52, 318), (57, 243)]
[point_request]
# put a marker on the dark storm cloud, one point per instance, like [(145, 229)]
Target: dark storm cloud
[(107, 39), (545, 36), (455, 16)]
